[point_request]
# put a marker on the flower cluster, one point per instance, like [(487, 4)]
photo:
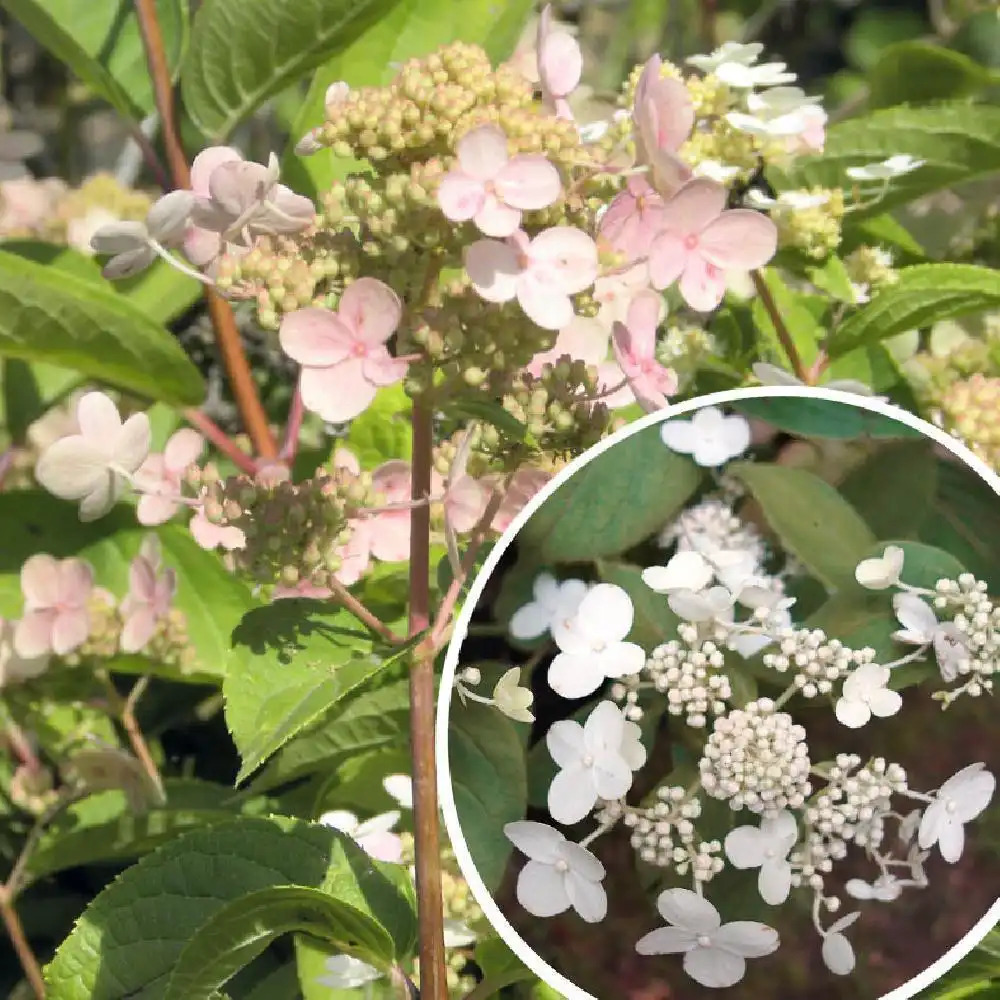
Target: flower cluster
[(796, 820)]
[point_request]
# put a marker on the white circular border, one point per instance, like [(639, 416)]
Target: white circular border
[(483, 896)]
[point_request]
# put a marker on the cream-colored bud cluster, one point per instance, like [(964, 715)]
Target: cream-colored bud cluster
[(871, 267), (816, 662), (685, 349), (970, 408), (976, 624), (812, 228), (101, 197), (32, 788), (293, 531), (713, 525)]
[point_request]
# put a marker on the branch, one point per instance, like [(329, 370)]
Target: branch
[(294, 425), (227, 335), (211, 430), (125, 707), (426, 830), (379, 627), (784, 337), (15, 931)]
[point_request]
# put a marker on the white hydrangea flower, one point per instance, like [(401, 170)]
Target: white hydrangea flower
[(885, 889), (554, 600), (922, 628), (838, 954), (345, 973), (687, 570), (743, 77), (596, 761), (457, 934), (766, 847), (512, 699), (95, 465), (714, 953), (895, 166), (591, 643), (729, 52), (13, 667), (881, 572), (715, 604), (709, 437), (559, 874), (957, 802), (865, 693), (714, 170), (400, 788), (374, 836)]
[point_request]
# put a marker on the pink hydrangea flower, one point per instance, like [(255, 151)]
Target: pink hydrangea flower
[(212, 536), (343, 354), (160, 477), (56, 595), (613, 292), (541, 273), (701, 240), (355, 553), (664, 115), (491, 188), (583, 339), (203, 246), (464, 501), (634, 345), (149, 596), (390, 529), (526, 482), (633, 219), (812, 138), (560, 65)]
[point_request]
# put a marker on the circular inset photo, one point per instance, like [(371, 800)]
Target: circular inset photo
[(718, 716)]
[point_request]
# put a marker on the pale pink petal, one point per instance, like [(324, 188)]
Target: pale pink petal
[(494, 218), (381, 368), (643, 317), (355, 554), (205, 162), (237, 186), (611, 376), (210, 536), (40, 581), (560, 62), (693, 207), (549, 307), (583, 339), (285, 212), (183, 449), (493, 269), (142, 581), (130, 445), (33, 633), (152, 474), (702, 284), (564, 256), (344, 458), (72, 467), (76, 580), (668, 257), (740, 240), (390, 539), (562, 109), (70, 630), (315, 337), (201, 246), (392, 481), (138, 629), (371, 309), (152, 509), (482, 152), (529, 182), (98, 418), (339, 393), (465, 503), (670, 114), (460, 196)]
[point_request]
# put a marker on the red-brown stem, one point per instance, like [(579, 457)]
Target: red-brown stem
[(294, 426), (427, 834), (135, 735), (21, 746), (784, 337), (451, 596), (818, 367), (227, 334), (211, 430), (15, 931), (349, 601)]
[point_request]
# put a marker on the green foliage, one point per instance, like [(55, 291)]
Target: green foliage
[(67, 321), (211, 880), (244, 51), (920, 73), (489, 783), (654, 621), (812, 520), (291, 662), (500, 967), (410, 28), (591, 516), (382, 432), (820, 418), (101, 44)]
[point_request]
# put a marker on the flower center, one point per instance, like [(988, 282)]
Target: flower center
[(588, 760), (950, 805), (691, 241), (770, 853), (360, 349), (561, 866), (599, 646), (704, 941)]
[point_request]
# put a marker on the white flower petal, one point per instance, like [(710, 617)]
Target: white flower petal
[(747, 938), (575, 676), (838, 954), (853, 714), (588, 898), (571, 795), (541, 890), (684, 908), (535, 840), (666, 941), (714, 967)]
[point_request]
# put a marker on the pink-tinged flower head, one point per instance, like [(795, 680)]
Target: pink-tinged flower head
[(614, 292), (343, 354), (493, 189), (701, 240), (355, 553), (663, 114), (465, 500), (203, 246), (635, 349), (541, 273), (149, 595), (560, 65), (526, 482), (211, 536), (160, 477), (56, 594), (812, 138), (390, 529), (582, 339), (633, 219)]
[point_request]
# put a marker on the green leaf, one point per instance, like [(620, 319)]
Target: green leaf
[(212, 599), (917, 73), (291, 662), (170, 895), (500, 967), (60, 319), (923, 565), (29, 391), (894, 488), (957, 141), (814, 522), (831, 276), (614, 502), (821, 418), (382, 432), (237, 933), (924, 294), (489, 783), (411, 28), (100, 42), (654, 622), (480, 406), (244, 51), (800, 315)]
